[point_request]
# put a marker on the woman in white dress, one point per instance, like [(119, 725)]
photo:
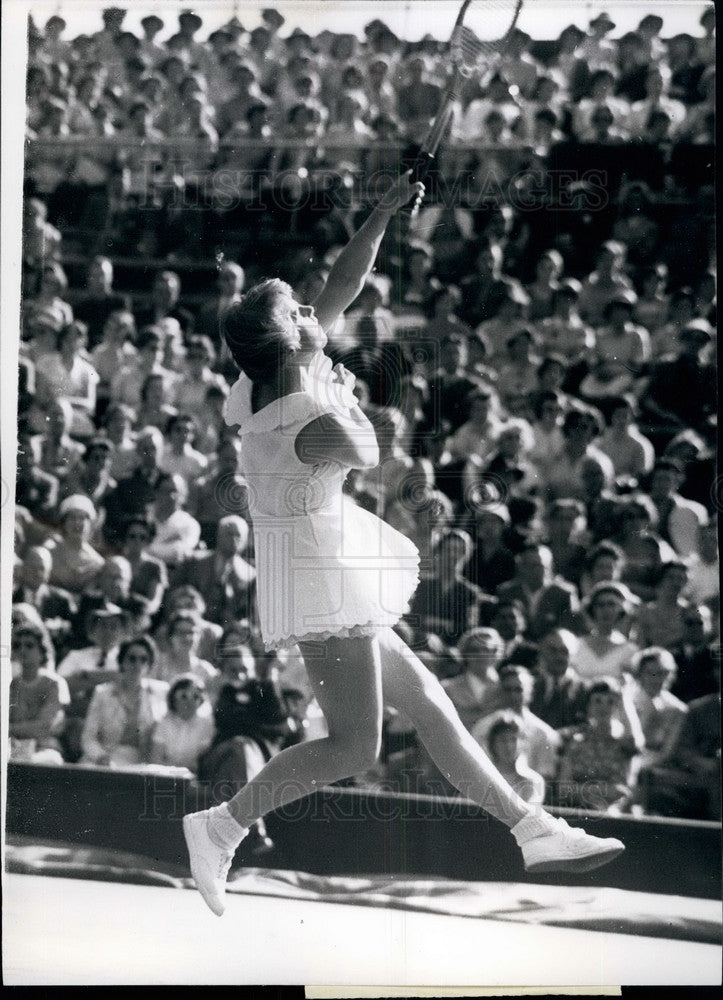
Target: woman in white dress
[(333, 578)]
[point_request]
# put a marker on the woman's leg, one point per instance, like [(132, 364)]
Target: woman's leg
[(409, 686), (345, 675)]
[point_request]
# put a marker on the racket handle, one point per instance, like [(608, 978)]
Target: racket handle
[(420, 168)]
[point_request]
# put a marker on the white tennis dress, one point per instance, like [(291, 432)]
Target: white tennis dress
[(325, 567)]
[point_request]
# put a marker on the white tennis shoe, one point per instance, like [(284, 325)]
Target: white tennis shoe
[(210, 863), (550, 845)]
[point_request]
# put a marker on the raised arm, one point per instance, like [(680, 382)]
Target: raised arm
[(356, 260)]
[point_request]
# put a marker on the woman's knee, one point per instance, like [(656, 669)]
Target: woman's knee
[(359, 751)]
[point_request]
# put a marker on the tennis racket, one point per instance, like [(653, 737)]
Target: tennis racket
[(470, 56)]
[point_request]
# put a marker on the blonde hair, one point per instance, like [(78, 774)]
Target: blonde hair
[(258, 329)]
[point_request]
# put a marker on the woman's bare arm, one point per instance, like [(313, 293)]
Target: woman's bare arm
[(356, 260)]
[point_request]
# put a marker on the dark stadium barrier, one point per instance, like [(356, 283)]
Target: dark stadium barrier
[(347, 831)]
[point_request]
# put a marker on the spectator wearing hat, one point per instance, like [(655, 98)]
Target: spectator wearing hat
[(597, 49), (91, 477), (150, 50), (471, 690), (558, 694), (197, 53), (549, 602), (631, 453), (75, 561), (605, 651), (666, 408), (492, 563), (186, 730), (445, 603)]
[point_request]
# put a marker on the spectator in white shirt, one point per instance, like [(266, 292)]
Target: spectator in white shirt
[(177, 532), (179, 455)]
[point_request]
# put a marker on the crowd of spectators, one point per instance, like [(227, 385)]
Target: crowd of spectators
[(537, 355)]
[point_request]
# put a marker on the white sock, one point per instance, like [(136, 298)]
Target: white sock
[(223, 828), (534, 825)]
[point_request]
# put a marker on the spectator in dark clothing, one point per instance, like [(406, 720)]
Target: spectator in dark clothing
[(446, 604), (100, 300), (449, 386), (135, 495), (668, 410), (559, 694), (484, 290), (697, 657), (165, 294), (35, 490), (492, 562), (549, 602)]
